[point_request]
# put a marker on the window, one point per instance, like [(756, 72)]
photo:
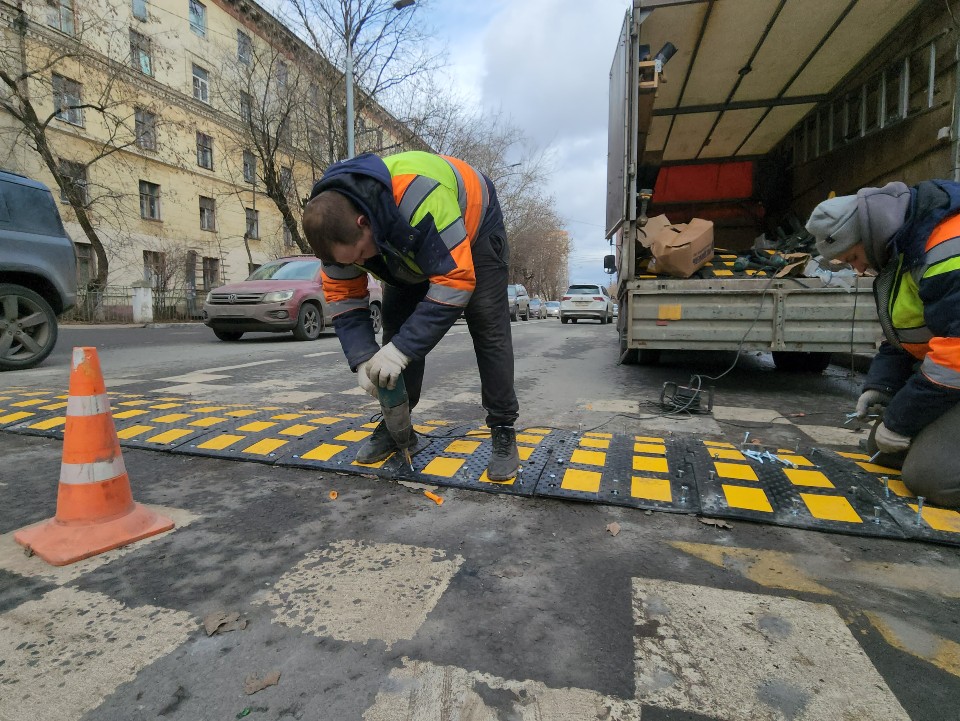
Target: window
[(204, 151), (146, 129), (281, 73), (208, 214), (140, 56), (246, 105), (198, 18), (60, 15), (66, 100), (249, 167), (211, 273), (154, 268), (86, 264), (286, 180), (140, 9), (253, 223), (201, 84), (75, 177), (149, 200), (244, 47)]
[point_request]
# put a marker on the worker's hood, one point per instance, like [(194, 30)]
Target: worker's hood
[(881, 213), (930, 203)]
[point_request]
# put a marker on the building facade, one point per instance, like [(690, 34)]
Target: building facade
[(192, 129)]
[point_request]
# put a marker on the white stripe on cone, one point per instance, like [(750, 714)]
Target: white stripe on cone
[(88, 405), (95, 472)]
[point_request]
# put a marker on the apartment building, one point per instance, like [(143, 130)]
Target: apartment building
[(175, 119)]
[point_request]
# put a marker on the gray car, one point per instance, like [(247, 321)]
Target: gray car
[(38, 271), (519, 302)]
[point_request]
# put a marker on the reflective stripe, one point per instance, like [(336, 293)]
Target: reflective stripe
[(454, 234), (947, 229), (914, 335), (415, 193), (940, 374), (88, 405), (348, 304), (474, 201), (448, 296), (946, 249), (461, 188), (96, 472), (342, 272)]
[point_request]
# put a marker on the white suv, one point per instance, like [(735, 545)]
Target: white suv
[(586, 301)]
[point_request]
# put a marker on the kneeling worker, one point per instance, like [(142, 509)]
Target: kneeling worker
[(911, 237), (431, 228)]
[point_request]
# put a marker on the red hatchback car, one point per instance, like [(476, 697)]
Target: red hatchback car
[(281, 295)]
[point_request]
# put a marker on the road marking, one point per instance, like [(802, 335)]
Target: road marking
[(909, 638), (322, 353), (68, 650), (194, 389), (755, 415), (195, 377), (241, 365), (742, 656), (294, 397), (833, 436), (422, 690), (358, 591)]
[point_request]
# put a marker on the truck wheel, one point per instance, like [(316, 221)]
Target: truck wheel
[(573, 320), (309, 323), (28, 327), (228, 335), (564, 320), (376, 317), (648, 356), (800, 362)]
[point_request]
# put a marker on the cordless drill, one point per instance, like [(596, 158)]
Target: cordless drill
[(395, 406)]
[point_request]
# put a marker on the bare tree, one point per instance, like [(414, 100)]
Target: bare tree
[(268, 92), (40, 91), (389, 50)]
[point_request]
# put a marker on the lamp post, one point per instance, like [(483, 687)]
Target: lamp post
[(348, 37)]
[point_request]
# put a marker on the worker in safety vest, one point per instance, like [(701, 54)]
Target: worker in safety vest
[(911, 237), (430, 227)]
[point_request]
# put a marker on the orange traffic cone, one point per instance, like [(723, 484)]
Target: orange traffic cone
[(95, 509)]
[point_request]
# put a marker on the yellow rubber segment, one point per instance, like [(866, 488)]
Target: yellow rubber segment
[(129, 414), (207, 422), (323, 452), (588, 458), (654, 448), (594, 443), (133, 431), (735, 470), (220, 442), (801, 477), (486, 479), (831, 508), (170, 435), (462, 447), (172, 418), (577, 480), (650, 464), (751, 499), (264, 447), (352, 436), (241, 413), (49, 423), (256, 426), (939, 519), (442, 466), (653, 489), (727, 454), (15, 416), (298, 429)]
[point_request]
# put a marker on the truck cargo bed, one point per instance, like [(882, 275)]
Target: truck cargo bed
[(779, 314)]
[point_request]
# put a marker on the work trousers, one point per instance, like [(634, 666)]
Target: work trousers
[(488, 320), (929, 467)]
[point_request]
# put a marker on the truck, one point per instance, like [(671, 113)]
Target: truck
[(748, 116)]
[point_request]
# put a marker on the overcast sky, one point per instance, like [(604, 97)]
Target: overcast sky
[(546, 65)]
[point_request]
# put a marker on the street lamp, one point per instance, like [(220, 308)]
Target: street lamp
[(348, 36)]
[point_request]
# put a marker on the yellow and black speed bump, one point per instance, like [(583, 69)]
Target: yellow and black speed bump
[(270, 435), (22, 408), (801, 495), (649, 472), (882, 486)]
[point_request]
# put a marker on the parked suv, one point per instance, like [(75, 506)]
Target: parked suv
[(38, 271), (280, 296), (586, 301), (519, 302)]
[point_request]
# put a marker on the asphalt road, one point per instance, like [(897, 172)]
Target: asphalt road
[(380, 604)]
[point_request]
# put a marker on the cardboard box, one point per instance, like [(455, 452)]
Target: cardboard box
[(681, 250)]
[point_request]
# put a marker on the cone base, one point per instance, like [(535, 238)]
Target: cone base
[(60, 544)]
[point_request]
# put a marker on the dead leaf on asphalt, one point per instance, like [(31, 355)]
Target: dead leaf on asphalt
[(613, 528), (715, 522), (223, 622), (254, 684)]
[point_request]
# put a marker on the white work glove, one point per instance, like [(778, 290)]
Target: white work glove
[(386, 366), (889, 441), (869, 399), (363, 379)]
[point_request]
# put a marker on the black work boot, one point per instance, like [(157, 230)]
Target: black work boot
[(381, 445), (505, 460)]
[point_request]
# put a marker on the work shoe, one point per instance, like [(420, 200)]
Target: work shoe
[(505, 460), (380, 445)]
